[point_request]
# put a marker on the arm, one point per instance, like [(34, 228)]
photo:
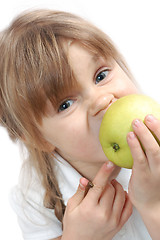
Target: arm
[(144, 187)]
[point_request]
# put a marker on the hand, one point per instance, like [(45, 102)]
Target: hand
[(144, 186), (145, 180), (99, 214)]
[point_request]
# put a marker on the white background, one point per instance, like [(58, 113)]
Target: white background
[(134, 26)]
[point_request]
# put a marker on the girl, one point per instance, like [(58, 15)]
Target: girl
[(58, 76)]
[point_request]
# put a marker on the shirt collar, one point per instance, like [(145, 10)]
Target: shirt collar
[(68, 178)]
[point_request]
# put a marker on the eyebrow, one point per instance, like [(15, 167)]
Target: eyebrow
[(95, 58)]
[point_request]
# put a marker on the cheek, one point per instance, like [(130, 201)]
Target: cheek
[(75, 140), (65, 134), (131, 87), (73, 144), (123, 84), (125, 87), (77, 135)]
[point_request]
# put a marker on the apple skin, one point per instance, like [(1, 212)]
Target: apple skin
[(117, 123)]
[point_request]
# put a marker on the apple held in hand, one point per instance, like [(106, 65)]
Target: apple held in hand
[(117, 122)]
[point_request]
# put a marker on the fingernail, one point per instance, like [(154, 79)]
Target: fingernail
[(150, 118), (137, 123), (81, 186), (109, 165), (131, 135), (83, 183)]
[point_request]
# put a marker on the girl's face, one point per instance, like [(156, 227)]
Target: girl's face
[(74, 129)]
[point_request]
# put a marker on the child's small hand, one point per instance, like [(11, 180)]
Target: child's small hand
[(99, 214), (144, 187)]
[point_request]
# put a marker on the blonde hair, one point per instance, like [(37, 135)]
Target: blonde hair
[(33, 68)]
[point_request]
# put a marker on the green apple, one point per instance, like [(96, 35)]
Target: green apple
[(117, 122)]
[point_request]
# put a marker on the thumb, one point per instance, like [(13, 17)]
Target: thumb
[(77, 198)]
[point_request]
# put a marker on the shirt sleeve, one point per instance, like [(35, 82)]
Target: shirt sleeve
[(35, 221)]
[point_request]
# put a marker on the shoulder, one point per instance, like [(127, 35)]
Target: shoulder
[(35, 220)]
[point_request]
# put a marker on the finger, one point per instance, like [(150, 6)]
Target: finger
[(77, 198), (119, 199), (107, 198), (145, 136), (126, 212), (148, 141), (100, 182), (140, 163), (153, 124)]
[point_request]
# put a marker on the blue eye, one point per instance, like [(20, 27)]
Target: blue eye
[(102, 75), (66, 104)]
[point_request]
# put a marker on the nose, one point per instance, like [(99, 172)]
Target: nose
[(100, 103)]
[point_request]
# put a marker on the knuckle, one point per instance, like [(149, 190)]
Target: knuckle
[(111, 187), (103, 217), (111, 190), (117, 185), (98, 188), (114, 223), (141, 159), (155, 125), (155, 152)]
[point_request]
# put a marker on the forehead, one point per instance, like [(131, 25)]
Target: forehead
[(76, 49), (80, 58)]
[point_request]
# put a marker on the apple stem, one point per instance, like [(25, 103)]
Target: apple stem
[(115, 147)]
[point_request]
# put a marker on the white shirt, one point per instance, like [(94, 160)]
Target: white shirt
[(40, 223)]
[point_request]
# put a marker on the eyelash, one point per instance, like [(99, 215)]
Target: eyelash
[(65, 103), (100, 72)]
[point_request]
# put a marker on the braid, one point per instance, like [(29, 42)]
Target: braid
[(53, 197)]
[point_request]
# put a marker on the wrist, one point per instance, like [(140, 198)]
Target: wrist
[(151, 218)]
